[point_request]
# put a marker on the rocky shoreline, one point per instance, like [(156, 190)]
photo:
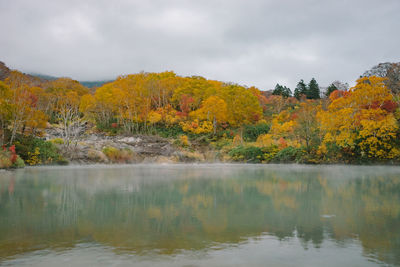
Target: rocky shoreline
[(89, 148)]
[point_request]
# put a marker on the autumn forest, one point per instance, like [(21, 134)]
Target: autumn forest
[(207, 119)]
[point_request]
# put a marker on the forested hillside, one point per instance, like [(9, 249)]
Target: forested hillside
[(237, 123)]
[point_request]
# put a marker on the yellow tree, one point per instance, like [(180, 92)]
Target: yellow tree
[(196, 87), (282, 129), (101, 107), (134, 101), (362, 119), (57, 90), (242, 105), (212, 109), (274, 104), (25, 116), (69, 116), (18, 79), (25, 103), (66, 85), (63, 96), (161, 87), (306, 126)]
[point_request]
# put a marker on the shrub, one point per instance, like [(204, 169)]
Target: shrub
[(202, 140), (116, 155), (289, 154), (5, 161), (249, 154), (9, 159), (221, 143), (237, 140), (34, 157), (19, 163), (265, 140), (226, 133), (62, 161), (57, 141), (269, 152), (43, 152), (184, 140), (197, 127), (166, 132), (191, 156), (109, 126), (272, 153), (251, 132)]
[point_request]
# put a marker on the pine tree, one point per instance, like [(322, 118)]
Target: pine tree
[(278, 89), (313, 90), (301, 89), (330, 89), (282, 90)]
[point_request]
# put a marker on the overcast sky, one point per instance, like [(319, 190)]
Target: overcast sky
[(250, 42)]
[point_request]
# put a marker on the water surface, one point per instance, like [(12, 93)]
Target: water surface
[(200, 215)]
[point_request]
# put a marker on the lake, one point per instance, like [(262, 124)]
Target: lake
[(200, 215)]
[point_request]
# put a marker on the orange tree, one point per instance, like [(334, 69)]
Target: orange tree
[(21, 100)]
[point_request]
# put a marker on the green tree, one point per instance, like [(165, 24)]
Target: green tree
[(330, 89), (282, 90), (313, 91), (301, 89)]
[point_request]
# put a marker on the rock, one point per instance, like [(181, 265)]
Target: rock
[(130, 140), (165, 160), (211, 156), (97, 156), (90, 146), (187, 156)]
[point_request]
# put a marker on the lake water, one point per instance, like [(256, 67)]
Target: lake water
[(200, 215)]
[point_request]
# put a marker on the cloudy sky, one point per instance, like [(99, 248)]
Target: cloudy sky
[(250, 42)]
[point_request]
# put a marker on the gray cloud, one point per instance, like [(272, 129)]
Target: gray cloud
[(253, 42)]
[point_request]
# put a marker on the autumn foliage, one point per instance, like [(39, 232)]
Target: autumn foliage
[(361, 123), (139, 101)]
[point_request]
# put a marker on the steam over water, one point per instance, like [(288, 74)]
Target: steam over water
[(200, 215)]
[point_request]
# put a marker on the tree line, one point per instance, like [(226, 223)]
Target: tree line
[(359, 123)]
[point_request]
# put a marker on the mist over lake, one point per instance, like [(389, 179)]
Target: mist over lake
[(200, 215)]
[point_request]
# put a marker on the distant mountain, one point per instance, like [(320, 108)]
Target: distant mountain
[(88, 84), (44, 77), (92, 84)]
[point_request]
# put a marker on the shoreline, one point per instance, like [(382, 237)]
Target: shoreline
[(198, 164)]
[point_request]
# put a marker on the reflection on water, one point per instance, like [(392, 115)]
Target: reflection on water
[(200, 214)]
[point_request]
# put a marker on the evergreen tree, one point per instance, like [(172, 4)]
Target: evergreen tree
[(301, 89), (278, 89), (313, 90), (282, 90), (330, 89), (287, 92)]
